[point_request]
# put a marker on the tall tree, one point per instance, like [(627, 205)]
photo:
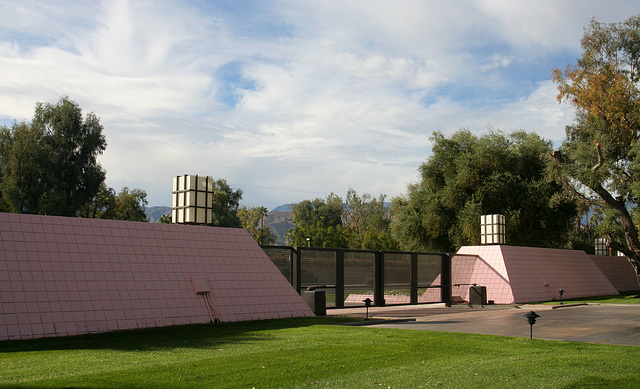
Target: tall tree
[(21, 168), (225, 204), (599, 158), (252, 219), (318, 223), (50, 165), (128, 204), (468, 176), (369, 220)]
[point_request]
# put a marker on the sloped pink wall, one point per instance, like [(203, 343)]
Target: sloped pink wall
[(66, 276), (619, 271), (489, 271), (525, 274)]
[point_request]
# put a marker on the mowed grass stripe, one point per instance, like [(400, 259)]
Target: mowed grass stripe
[(298, 353)]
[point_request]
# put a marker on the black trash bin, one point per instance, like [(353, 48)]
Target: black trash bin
[(316, 300), (478, 295)]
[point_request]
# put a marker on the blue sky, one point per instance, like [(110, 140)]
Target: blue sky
[(291, 100)]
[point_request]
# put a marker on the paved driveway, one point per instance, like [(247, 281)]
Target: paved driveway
[(606, 323)]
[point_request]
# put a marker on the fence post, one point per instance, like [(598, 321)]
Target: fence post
[(339, 278), (413, 280), (378, 286), (296, 265), (445, 279)]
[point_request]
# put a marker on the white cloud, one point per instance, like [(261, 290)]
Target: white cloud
[(314, 97)]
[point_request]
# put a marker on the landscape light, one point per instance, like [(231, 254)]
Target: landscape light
[(367, 303), (531, 318)]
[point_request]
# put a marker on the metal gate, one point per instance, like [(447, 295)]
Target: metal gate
[(349, 276)]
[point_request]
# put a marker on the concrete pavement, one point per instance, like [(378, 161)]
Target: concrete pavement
[(593, 323)]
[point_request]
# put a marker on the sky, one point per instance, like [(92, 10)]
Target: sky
[(291, 100)]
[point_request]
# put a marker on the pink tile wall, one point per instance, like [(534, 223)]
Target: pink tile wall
[(489, 271), (519, 274), (619, 271), (66, 276)]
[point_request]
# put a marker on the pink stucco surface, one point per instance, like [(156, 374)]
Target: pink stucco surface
[(619, 271), (66, 276), (526, 274)]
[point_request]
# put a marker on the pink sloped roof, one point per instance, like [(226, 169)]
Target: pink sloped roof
[(489, 271), (536, 274), (619, 271), (66, 276)]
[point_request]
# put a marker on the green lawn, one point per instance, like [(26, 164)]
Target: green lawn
[(301, 353), (622, 298)]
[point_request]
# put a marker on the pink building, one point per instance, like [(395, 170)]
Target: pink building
[(514, 275), (66, 276)]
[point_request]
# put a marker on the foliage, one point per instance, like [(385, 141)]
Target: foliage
[(360, 222), (252, 220), (306, 352), (319, 221), (49, 166), (599, 158), (165, 219), (468, 176), (126, 205), (369, 221), (225, 205)]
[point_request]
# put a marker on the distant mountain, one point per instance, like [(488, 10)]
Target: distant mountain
[(280, 219), (280, 222), (283, 208), (155, 213)]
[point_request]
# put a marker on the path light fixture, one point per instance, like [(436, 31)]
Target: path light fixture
[(367, 303), (531, 318), (308, 242), (561, 291)]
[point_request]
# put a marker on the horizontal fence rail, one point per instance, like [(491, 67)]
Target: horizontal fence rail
[(350, 276)]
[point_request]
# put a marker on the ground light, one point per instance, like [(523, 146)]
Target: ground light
[(531, 318), (367, 303)]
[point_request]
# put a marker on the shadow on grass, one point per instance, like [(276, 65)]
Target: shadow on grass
[(159, 338)]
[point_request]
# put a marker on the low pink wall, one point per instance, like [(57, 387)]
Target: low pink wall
[(66, 276), (619, 271), (525, 274)]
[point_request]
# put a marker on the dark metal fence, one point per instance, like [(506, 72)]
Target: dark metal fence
[(350, 276)]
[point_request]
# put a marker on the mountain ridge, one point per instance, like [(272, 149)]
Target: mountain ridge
[(280, 219)]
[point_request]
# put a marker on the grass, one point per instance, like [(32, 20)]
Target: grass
[(622, 298), (309, 353)]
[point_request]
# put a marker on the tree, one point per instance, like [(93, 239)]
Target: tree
[(225, 205), (320, 221), (128, 205), (599, 158), (49, 166), (252, 219), (369, 220), (468, 176), (20, 168), (165, 219)]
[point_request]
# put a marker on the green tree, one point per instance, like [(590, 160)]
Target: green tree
[(320, 221), (369, 221), (468, 176), (252, 219), (225, 205), (599, 158), (165, 219), (128, 204), (21, 163), (99, 207), (49, 166)]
